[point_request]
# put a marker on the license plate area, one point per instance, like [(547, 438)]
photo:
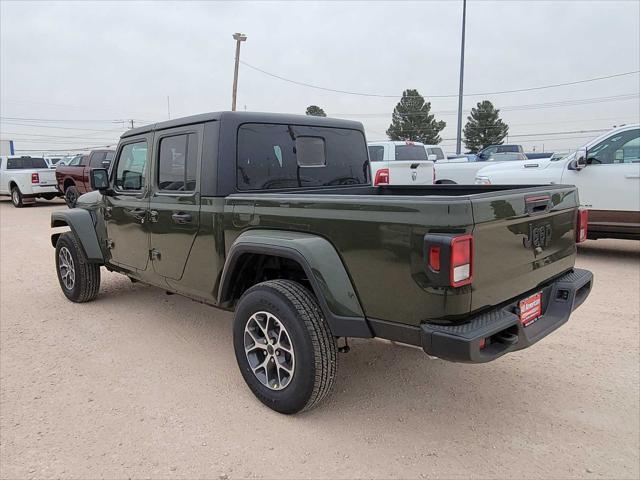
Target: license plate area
[(530, 309)]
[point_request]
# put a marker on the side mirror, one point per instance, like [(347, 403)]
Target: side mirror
[(580, 160), (99, 179), (432, 157)]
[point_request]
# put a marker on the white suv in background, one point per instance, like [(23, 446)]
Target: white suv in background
[(606, 172), (402, 162)]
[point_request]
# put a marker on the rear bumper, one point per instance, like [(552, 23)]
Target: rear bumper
[(501, 328), (37, 190)]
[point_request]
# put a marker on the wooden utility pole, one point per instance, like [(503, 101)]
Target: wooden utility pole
[(238, 37)]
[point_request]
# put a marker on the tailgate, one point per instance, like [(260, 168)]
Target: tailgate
[(411, 172), (46, 176), (522, 238)]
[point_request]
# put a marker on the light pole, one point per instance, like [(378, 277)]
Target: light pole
[(238, 37), (459, 137)]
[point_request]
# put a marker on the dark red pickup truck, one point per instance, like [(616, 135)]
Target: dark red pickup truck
[(73, 178)]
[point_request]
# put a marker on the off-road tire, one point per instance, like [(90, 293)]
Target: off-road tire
[(314, 347), (16, 197), (87, 275), (71, 195)]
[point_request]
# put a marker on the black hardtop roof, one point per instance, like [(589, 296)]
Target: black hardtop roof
[(246, 117)]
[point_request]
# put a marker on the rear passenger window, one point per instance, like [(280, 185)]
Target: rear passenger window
[(177, 163), (273, 156), (376, 153)]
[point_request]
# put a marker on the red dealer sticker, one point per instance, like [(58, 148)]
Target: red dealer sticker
[(530, 309)]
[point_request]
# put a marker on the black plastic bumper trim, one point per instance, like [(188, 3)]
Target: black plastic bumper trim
[(461, 343)]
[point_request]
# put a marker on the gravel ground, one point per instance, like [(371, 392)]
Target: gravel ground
[(138, 384)]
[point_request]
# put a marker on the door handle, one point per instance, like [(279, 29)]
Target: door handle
[(632, 176), (137, 213), (181, 217)]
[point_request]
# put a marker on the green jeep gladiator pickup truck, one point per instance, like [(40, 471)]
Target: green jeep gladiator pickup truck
[(274, 217)]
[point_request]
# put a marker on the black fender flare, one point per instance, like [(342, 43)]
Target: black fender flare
[(323, 267), (82, 225)]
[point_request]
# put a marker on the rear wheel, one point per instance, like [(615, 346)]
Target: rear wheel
[(79, 279), (16, 197), (283, 346), (71, 196)]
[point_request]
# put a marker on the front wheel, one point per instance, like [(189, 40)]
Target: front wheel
[(283, 346), (79, 279)]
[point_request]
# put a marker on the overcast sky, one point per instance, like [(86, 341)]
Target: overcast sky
[(87, 65)]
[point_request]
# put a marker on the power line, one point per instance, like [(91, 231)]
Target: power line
[(58, 127), (508, 108), (54, 136), (452, 95), (61, 120), (79, 149)]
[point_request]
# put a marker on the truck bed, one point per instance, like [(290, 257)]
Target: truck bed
[(381, 242)]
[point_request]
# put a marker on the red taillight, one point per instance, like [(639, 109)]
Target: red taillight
[(461, 260), (382, 177), (434, 258), (581, 226), (483, 343), (35, 178)]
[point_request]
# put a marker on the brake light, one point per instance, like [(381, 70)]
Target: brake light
[(461, 260), (35, 178), (434, 258), (382, 177), (581, 225)]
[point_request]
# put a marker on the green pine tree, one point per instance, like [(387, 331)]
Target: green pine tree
[(315, 111), (484, 127), (412, 120)]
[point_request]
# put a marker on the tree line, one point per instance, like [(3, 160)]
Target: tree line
[(412, 120)]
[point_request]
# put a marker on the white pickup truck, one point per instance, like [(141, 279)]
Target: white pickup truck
[(463, 172), (606, 172), (27, 178), (403, 162)]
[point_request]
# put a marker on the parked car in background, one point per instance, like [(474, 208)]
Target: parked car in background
[(65, 160), (486, 152), (73, 178), (606, 172), (53, 161), (458, 171), (25, 179), (274, 217), (402, 162)]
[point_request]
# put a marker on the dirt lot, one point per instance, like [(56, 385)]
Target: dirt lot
[(140, 384)]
